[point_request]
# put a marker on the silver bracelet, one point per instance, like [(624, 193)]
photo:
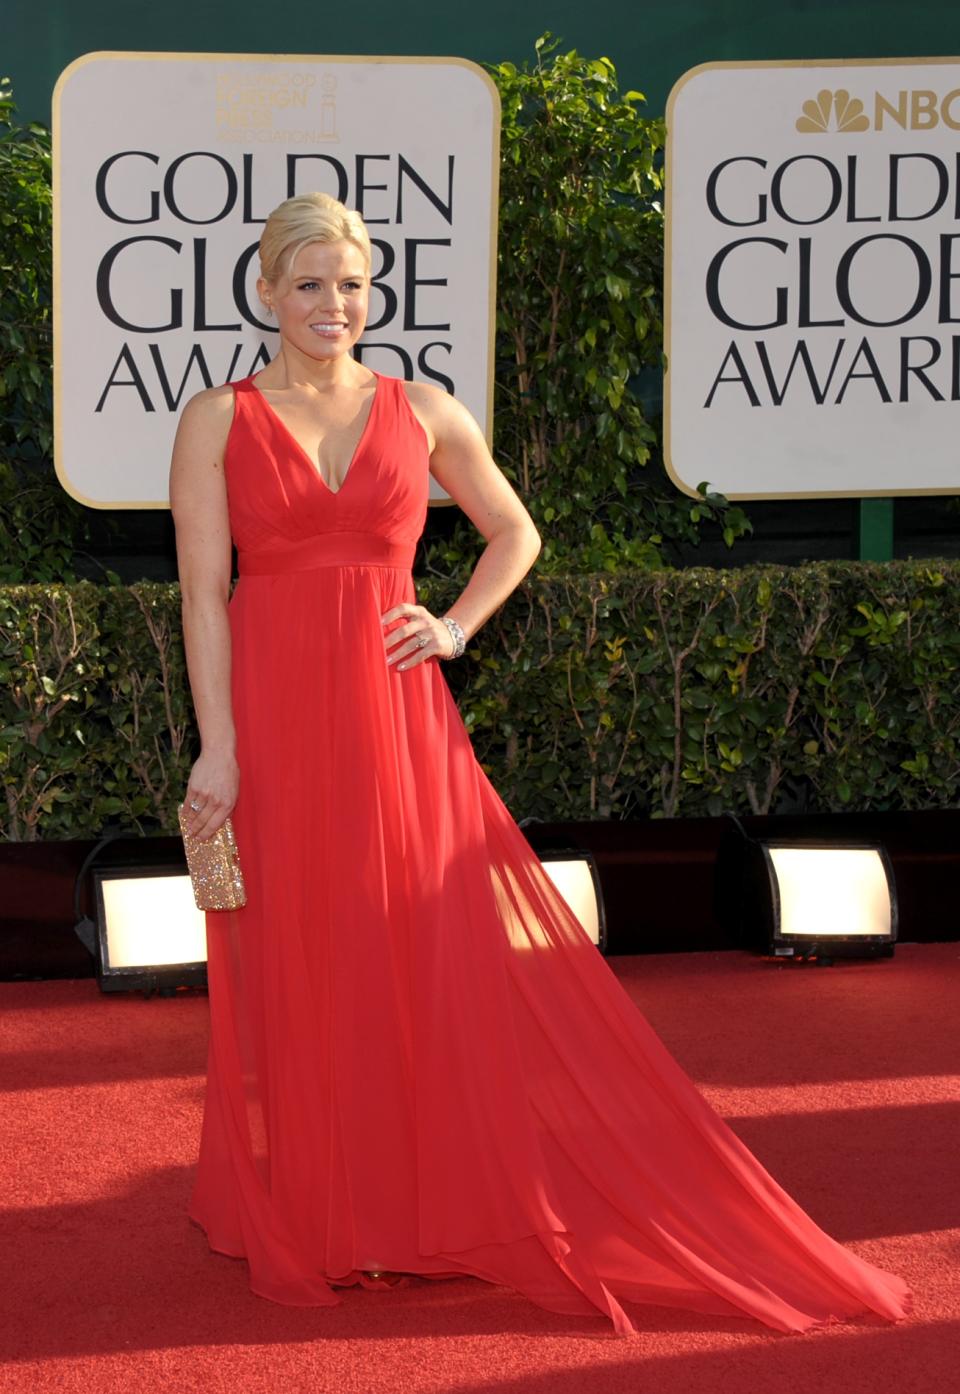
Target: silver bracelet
[(459, 641)]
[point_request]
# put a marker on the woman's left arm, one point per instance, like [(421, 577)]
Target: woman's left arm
[(462, 465)]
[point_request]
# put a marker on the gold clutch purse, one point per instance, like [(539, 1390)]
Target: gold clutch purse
[(214, 866)]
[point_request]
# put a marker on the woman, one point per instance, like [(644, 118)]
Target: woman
[(418, 1061)]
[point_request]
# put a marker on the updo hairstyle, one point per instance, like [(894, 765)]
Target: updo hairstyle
[(301, 220)]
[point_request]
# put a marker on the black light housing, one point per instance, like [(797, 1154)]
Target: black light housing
[(150, 936), (808, 897), (146, 933)]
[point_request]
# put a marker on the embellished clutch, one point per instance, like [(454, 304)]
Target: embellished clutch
[(214, 866)]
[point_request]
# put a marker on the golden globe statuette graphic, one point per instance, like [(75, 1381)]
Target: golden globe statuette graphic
[(328, 108)]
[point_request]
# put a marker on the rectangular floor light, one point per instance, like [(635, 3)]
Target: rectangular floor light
[(827, 899), (150, 934), (574, 873)]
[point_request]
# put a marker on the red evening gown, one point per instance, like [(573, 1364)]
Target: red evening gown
[(418, 1059)]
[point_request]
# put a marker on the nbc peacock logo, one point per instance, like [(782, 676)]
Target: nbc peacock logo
[(845, 112)]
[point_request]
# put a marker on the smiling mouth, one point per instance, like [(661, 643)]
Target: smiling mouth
[(331, 328)]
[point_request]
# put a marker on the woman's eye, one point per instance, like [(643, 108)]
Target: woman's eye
[(351, 285), (309, 285)]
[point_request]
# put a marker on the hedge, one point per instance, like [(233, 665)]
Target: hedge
[(649, 693)]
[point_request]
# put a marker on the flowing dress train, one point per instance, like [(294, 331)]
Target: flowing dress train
[(418, 1060)]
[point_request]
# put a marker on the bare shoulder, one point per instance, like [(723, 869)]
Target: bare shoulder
[(461, 463), (202, 432), (197, 463), (210, 408), (439, 412)]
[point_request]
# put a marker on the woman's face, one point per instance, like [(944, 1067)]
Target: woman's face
[(321, 304)]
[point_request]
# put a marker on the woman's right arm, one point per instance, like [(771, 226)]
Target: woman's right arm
[(198, 502)]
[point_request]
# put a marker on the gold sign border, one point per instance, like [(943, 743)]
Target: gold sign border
[(668, 266), (313, 58)]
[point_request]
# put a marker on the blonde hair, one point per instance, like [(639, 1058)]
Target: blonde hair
[(301, 220)]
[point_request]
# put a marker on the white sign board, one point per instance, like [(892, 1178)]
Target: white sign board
[(165, 169), (813, 278)]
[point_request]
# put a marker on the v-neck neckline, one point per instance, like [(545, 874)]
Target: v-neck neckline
[(312, 464)]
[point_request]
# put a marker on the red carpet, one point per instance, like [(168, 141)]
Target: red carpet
[(844, 1081)]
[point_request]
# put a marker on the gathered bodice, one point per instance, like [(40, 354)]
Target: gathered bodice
[(285, 517)]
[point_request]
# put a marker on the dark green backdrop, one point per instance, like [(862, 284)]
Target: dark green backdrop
[(651, 44)]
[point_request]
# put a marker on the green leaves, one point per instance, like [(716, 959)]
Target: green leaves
[(25, 285), (40, 524), (94, 709), (606, 694), (671, 693), (43, 633), (579, 325)]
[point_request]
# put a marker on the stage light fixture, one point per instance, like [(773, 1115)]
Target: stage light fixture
[(150, 936), (811, 898), (574, 873), (146, 932)]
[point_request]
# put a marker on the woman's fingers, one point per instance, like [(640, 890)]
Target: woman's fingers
[(404, 610), (204, 820), (413, 650), (212, 786), (424, 643), (211, 826), (413, 616)]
